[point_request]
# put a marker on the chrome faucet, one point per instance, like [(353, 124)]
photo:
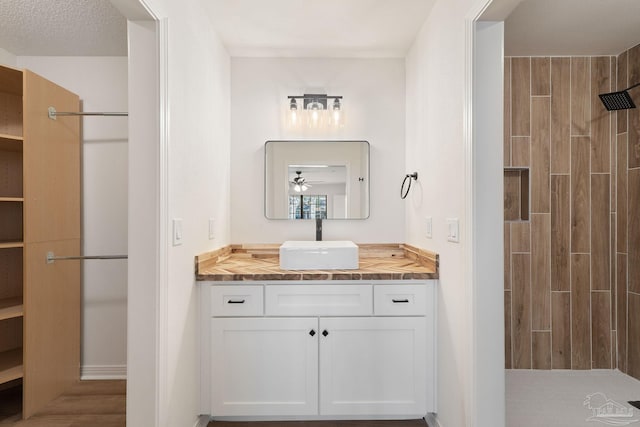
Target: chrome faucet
[(318, 229)]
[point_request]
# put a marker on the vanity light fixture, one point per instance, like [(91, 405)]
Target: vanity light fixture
[(318, 111)]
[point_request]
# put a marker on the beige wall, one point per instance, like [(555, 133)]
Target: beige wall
[(565, 286)]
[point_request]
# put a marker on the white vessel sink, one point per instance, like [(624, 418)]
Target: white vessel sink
[(312, 255)]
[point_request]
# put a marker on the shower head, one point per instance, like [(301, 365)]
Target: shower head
[(620, 100), (617, 100)]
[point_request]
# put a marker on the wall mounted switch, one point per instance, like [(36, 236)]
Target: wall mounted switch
[(177, 231), (212, 227), (453, 230), (428, 227)]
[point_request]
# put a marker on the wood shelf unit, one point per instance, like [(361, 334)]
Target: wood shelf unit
[(11, 224), (11, 365), (11, 308), (37, 217)]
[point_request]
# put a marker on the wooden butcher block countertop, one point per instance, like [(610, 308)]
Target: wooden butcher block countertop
[(260, 262)]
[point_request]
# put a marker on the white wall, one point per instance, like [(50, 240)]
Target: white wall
[(198, 181), (373, 91), (7, 58), (435, 148), (101, 84)]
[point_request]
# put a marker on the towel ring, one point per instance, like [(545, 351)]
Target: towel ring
[(409, 177)]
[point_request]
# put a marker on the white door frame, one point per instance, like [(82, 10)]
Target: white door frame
[(484, 372), (147, 302)]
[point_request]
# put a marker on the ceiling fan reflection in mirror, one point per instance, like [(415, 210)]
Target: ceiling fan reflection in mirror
[(299, 183)]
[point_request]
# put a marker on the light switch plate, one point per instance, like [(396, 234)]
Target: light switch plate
[(453, 230), (428, 227), (177, 231), (212, 223)]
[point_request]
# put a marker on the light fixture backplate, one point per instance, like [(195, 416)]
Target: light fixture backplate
[(320, 98)]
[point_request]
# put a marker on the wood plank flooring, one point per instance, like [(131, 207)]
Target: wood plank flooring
[(103, 404), (87, 404)]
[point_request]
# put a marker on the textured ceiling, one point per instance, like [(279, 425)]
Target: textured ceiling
[(327, 28), (62, 28), (572, 27)]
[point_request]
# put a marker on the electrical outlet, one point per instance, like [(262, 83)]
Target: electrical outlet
[(177, 231), (428, 227), (212, 223)]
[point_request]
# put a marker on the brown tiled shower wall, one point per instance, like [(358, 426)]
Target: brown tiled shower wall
[(572, 269)]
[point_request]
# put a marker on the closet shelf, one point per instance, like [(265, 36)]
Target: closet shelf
[(10, 142), (10, 308), (8, 245), (11, 137), (11, 199), (11, 365)]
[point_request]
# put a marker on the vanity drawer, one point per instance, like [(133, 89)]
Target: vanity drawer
[(400, 300), (319, 300), (236, 301)]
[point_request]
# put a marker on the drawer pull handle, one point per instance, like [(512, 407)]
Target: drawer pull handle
[(398, 301), (312, 332), (325, 333), (235, 301)]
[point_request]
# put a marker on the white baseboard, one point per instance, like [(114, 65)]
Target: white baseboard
[(432, 420), (103, 372), (203, 420)]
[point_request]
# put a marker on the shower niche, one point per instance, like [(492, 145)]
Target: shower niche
[(516, 194)]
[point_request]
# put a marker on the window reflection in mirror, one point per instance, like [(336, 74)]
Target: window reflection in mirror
[(317, 179)]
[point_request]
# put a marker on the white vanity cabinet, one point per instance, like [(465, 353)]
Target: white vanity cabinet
[(338, 350), (264, 366), (373, 366)]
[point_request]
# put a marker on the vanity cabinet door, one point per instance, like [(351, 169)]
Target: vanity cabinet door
[(264, 366), (373, 366)]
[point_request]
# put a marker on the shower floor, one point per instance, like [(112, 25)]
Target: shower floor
[(556, 398)]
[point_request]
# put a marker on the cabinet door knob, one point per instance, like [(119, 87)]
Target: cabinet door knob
[(397, 301), (312, 332), (235, 301), (325, 333)]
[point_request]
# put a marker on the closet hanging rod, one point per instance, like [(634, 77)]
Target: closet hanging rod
[(51, 257), (53, 113)]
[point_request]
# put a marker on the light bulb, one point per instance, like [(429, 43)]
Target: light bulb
[(315, 113), (337, 118), (297, 188), (294, 117)]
